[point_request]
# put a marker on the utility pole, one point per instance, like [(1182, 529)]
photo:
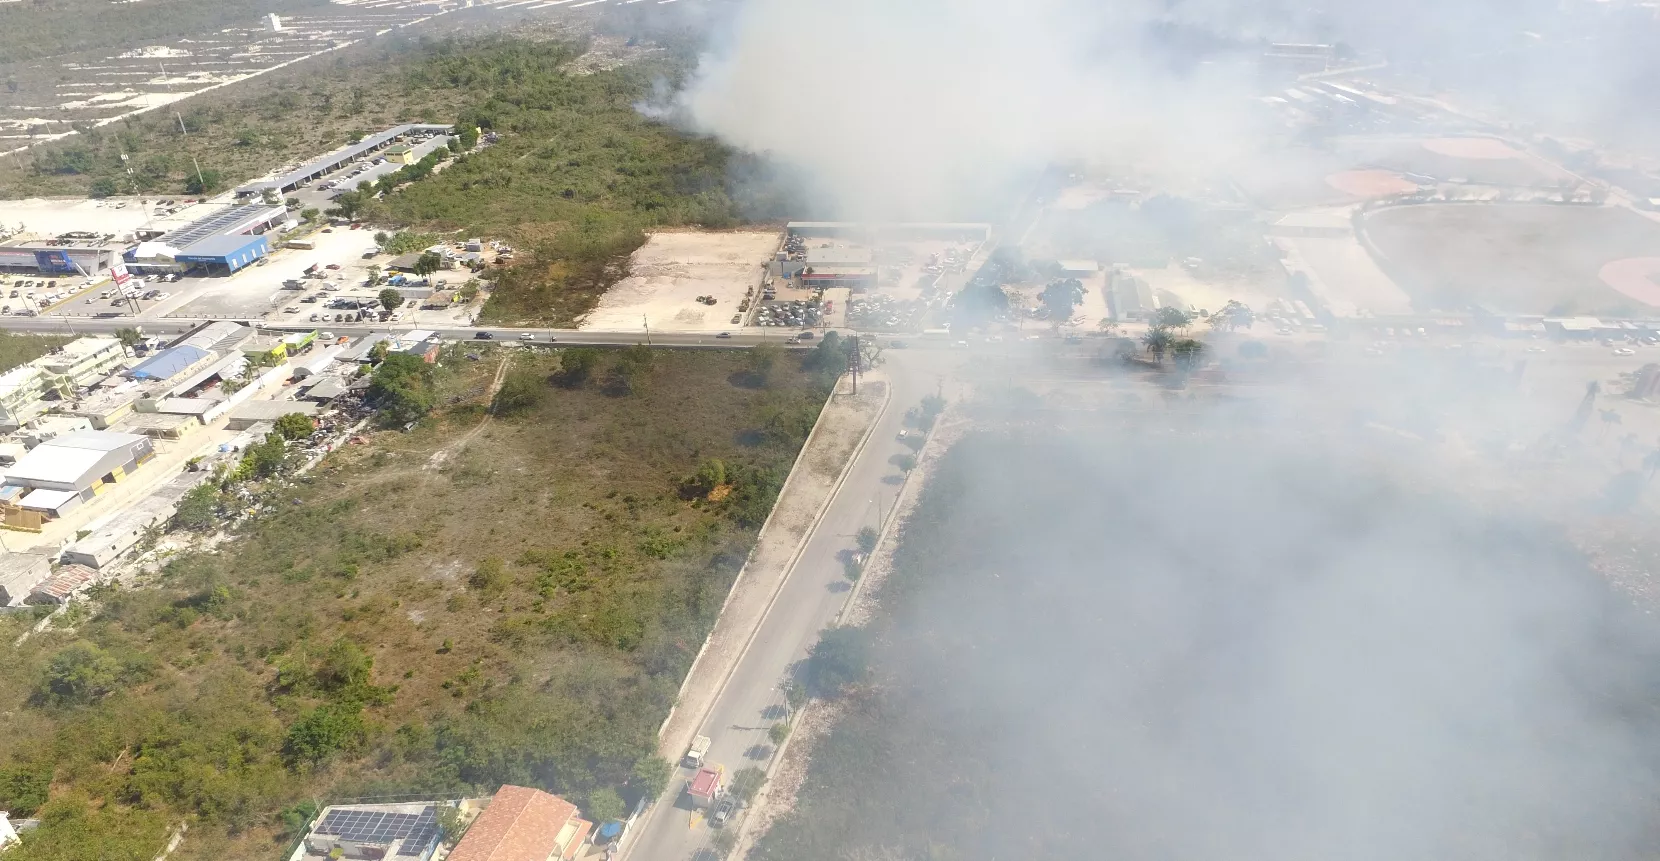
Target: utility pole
[(853, 360), (646, 321), (201, 184)]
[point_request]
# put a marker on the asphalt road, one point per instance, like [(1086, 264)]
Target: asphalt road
[(813, 594)]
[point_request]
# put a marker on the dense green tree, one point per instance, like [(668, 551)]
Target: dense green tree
[(325, 731), (604, 805), (390, 299), (1060, 297), (840, 657), (428, 263), (82, 672), (576, 366), (401, 389), (208, 182), (198, 509), (294, 426), (521, 392)]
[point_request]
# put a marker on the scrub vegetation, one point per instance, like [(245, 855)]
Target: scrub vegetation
[(480, 600), (17, 349), (575, 178)]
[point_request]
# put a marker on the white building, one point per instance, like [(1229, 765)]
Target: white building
[(62, 473), (8, 834), (81, 362), (21, 390)]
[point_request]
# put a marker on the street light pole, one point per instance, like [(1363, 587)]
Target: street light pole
[(646, 321)]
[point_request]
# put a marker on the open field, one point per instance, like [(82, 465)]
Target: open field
[(1517, 258), (672, 269), (1136, 693), (477, 601)]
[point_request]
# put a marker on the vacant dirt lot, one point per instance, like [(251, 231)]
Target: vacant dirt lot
[(1515, 258), (671, 270)]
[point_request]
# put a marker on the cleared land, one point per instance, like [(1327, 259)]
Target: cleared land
[(1512, 258), (439, 611), (672, 269), (1325, 660)]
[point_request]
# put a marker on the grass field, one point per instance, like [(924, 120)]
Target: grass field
[(1511, 258), (1213, 644), (17, 349), (439, 611)]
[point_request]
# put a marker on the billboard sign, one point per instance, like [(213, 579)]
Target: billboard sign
[(119, 271), (53, 260)]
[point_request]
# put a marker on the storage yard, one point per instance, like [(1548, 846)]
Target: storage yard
[(672, 270)]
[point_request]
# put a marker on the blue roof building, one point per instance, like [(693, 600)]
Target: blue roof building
[(170, 363), (227, 252)]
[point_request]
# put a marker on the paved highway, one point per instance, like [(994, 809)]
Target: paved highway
[(813, 594), (173, 326)]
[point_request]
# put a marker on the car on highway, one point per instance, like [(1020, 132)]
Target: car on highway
[(483, 336), (724, 335), (805, 336), (1625, 351), (526, 336), (1534, 349)]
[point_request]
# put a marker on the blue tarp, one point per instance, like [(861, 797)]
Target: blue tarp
[(169, 363)]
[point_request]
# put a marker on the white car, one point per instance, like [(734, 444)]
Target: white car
[(526, 336), (1625, 351)]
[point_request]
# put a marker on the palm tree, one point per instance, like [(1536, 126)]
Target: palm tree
[(1157, 340), (1652, 463), (1609, 419)]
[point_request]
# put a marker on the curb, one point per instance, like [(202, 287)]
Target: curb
[(744, 843), (882, 538), (789, 570)]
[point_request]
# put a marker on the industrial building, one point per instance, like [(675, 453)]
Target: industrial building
[(875, 233), (64, 254), (115, 536), (220, 243), (250, 413), (338, 159), (61, 473), (20, 573)]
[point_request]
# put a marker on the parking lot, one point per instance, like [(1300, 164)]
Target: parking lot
[(318, 195)]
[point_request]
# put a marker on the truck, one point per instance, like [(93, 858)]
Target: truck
[(698, 750), (705, 787)]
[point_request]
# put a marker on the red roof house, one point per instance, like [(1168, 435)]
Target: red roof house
[(524, 824)]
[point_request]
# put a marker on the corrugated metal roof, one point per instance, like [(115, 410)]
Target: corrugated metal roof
[(169, 363), (222, 246)]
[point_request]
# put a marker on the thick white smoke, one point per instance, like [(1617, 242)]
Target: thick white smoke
[(917, 110)]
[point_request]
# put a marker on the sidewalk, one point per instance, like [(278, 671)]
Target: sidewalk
[(836, 438)]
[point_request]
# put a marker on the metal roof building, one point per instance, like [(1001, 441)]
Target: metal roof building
[(227, 252), (169, 363), (333, 161), (81, 462)]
